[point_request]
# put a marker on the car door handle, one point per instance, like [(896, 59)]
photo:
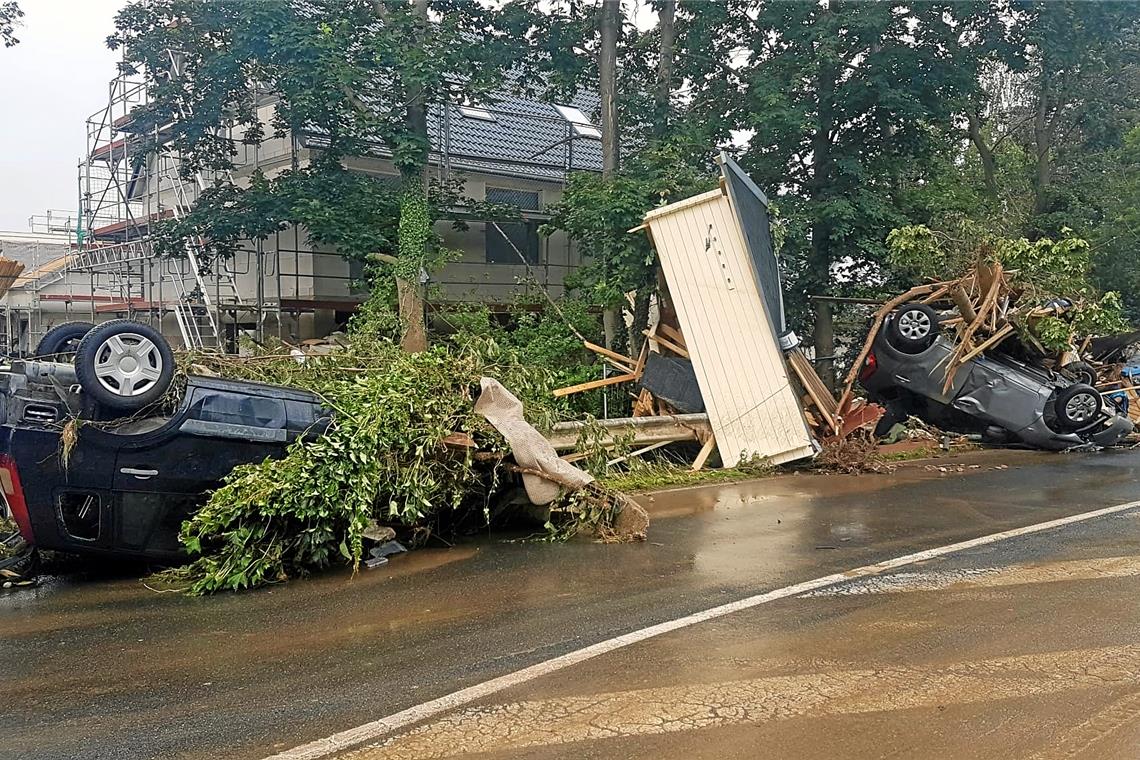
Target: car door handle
[(139, 473)]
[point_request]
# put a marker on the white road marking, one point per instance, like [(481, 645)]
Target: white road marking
[(375, 729), (962, 579)]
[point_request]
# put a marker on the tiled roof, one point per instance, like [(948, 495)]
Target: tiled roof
[(527, 138)]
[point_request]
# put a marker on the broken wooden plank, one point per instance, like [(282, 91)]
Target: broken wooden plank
[(666, 343), (637, 453), (704, 454), (673, 334), (642, 357), (938, 294), (966, 342), (990, 342), (595, 384), (814, 386), (621, 361), (643, 404)]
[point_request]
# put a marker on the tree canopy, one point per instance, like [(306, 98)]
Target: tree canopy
[(857, 118)]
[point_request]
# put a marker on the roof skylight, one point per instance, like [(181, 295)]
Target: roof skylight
[(473, 110), (581, 125)]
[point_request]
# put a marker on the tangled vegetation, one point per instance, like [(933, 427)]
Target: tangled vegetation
[(1042, 270), (382, 458)]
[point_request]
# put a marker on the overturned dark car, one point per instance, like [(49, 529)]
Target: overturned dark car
[(144, 463), (995, 394)]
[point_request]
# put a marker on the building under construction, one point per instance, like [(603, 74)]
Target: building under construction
[(516, 151)]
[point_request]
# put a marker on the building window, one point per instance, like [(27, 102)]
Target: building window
[(578, 121), (503, 238)]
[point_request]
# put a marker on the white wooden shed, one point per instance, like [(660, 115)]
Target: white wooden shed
[(741, 371)]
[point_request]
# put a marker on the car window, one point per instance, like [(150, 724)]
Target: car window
[(237, 409)]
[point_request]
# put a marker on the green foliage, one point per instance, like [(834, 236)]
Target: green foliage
[(539, 337), (1041, 270), (1048, 268), (381, 458), (598, 214)]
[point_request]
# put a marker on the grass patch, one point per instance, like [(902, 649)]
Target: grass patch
[(657, 475)]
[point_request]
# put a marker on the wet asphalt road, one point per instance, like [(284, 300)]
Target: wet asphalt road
[(104, 668)]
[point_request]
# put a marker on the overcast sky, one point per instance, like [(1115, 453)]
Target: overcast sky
[(49, 84)]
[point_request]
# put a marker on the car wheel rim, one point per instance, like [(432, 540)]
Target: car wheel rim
[(1081, 408), (128, 364), (914, 325)]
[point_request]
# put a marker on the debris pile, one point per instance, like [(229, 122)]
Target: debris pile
[(997, 353), (1000, 352), (414, 444), (718, 366)]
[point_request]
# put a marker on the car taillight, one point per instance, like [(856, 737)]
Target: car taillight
[(870, 366), (14, 496)]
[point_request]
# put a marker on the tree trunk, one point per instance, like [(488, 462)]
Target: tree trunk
[(666, 27), (607, 84), (985, 154), (608, 23), (820, 255), (415, 223), (1043, 145), (824, 340), (640, 320), (661, 101)]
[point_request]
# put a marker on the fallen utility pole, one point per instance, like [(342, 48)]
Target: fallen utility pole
[(645, 430)]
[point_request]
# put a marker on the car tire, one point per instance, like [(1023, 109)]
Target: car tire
[(124, 365), (1077, 406), (1080, 372), (912, 328), (62, 340)]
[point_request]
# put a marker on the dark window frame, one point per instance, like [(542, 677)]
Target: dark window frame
[(524, 234)]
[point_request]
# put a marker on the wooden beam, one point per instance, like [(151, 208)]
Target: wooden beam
[(667, 344), (941, 292), (820, 396), (594, 384), (637, 453), (704, 454), (992, 341), (673, 334), (966, 342), (620, 360)]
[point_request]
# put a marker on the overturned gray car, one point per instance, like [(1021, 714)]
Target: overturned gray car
[(994, 394)]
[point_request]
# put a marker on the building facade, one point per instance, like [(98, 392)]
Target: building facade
[(511, 150)]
